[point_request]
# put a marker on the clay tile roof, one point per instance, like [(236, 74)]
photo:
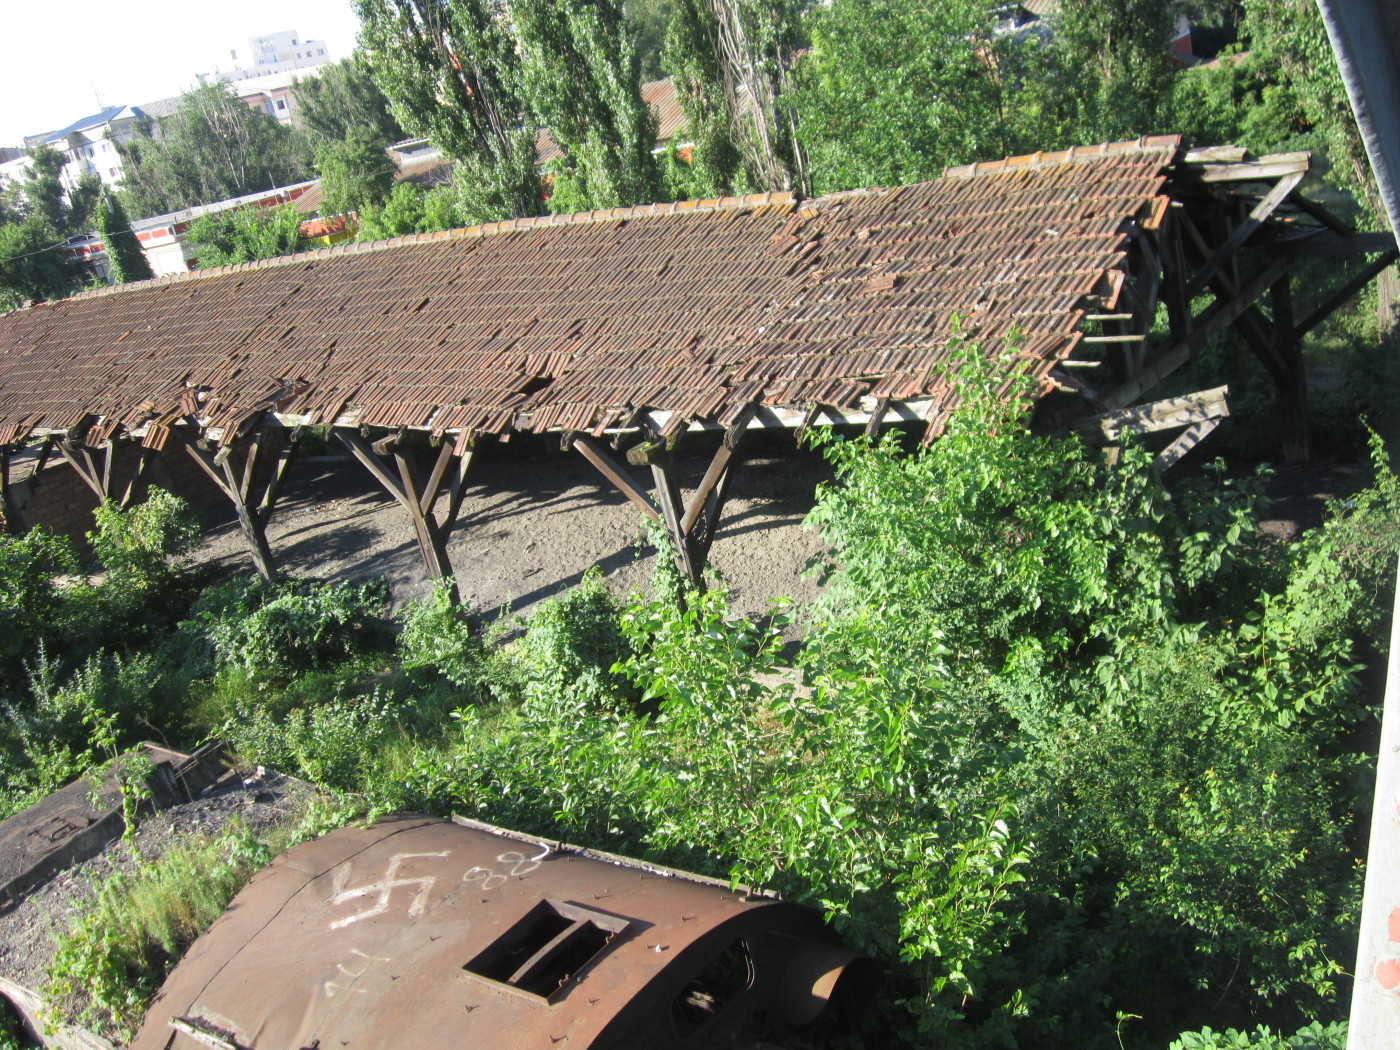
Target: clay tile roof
[(575, 322)]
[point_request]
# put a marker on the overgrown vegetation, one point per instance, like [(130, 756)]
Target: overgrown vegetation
[(124, 939), (1078, 758)]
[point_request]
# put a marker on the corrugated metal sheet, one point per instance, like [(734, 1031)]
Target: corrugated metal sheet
[(573, 321), (424, 933)]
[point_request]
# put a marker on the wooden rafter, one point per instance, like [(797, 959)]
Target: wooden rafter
[(1226, 252), (393, 463), (250, 471)]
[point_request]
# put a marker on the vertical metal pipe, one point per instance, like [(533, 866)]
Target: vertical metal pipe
[(1375, 1000)]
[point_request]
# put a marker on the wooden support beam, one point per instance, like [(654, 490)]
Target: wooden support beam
[(1344, 294), (668, 494), (9, 514), (1321, 242), (1212, 321), (716, 479), (143, 460), (619, 477), (1292, 392), (1109, 427), (1184, 443), (223, 473), (1241, 233), (417, 496), (79, 457), (1229, 169)]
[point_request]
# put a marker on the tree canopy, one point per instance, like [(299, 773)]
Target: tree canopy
[(451, 72), (212, 148)]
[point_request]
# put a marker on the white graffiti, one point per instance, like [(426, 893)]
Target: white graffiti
[(384, 889), (516, 865), (333, 987)]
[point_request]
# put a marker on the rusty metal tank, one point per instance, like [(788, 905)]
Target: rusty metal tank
[(426, 933)]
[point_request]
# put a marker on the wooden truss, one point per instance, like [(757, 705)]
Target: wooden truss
[(393, 463), (250, 470), (690, 526), (97, 466), (1194, 251)]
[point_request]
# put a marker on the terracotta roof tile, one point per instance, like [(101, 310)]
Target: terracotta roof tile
[(580, 320)]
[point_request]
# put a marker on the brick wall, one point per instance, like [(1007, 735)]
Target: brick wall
[(59, 500)]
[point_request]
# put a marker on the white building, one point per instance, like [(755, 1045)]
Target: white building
[(88, 146), (272, 53)]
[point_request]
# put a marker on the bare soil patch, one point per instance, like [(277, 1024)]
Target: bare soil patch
[(532, 523)]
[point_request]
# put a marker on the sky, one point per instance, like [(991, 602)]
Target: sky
[(59, 57)]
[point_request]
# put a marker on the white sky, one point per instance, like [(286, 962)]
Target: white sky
[(58, 56)]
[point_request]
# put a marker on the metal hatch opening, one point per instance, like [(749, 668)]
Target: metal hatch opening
[(542, 952), (705, 997)]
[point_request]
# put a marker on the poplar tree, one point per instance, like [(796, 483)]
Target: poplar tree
[(582, 76), (690, 56), (125, 259), (451, 72)]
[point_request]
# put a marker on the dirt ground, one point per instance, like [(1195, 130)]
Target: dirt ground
[(532, 523)]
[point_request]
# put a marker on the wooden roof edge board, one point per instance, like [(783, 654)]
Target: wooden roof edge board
[(744, 202), (1260, 169), (1073, 155)]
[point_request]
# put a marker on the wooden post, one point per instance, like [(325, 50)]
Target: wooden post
[(1291, 385), (691, 526), (238, 472), (416, 496), (9, 516)]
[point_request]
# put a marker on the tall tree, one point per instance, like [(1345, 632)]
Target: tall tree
[(893, 90), (245, 234), (67, 211), (125, 259), (214, 147), (32, 265), (37, 216), (756, 44), (1110, 75), (583, 79), (690, 56), (354, 173), (344, 98), (451, 72)]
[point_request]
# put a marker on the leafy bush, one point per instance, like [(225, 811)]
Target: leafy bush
[(437, 637), (574, 642), (1314, 1037), (136, 546), (30, 599), (275, 630)]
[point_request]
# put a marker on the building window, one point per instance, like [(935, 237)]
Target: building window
[(320, 51), (281, 104)]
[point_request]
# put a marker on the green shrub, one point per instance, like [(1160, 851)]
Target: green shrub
[(1314, 1037), (136, 546), (436, 637), (120, 945), (30, 599), (275, 630)]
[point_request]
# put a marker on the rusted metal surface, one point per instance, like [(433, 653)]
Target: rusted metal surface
[(78, 821), (695, 309), (428, 933)]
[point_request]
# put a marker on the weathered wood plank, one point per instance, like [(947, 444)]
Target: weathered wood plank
[(610, 470), (1184, 443), (1159, 415), (1242, 232)]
